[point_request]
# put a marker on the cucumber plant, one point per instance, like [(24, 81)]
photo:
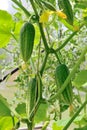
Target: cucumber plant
[(49, 59)]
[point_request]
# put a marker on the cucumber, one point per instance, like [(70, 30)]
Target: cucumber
[(27, 35), (61, 73), (31, 96)]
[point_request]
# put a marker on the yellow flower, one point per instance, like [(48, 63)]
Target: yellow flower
[(61, 14), (45, 16)]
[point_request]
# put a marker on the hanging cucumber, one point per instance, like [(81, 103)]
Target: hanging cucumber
[(66, 7), (61, 74), (31, 95), (27, 35)]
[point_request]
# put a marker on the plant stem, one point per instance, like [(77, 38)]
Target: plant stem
[(68, 39), (22, 7), (7, 50), (14, 37), (70, 75), (57, 57), (40, 27), (29, 125), (43, 37), (13, 121), (44, 64), (45, 125), (75, 115)]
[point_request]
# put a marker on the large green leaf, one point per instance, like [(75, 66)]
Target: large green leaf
[(41, 114), (82, 128), (6, 26), (81, 79), (37, 35), (81, 119), (4, 107), (21, 108), (6, 123), (17, 28), (58, 125)]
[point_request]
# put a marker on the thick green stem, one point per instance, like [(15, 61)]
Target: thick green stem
[(29, 124), (40, 27), (70, 75), (75, 115), (43, 37), (22, 7), (44, 64), (13, 121)]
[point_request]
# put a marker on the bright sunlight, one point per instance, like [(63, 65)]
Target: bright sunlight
[(4, 4)]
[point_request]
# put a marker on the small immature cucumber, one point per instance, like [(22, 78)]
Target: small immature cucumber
[(66, 7), (27, 35), (61, 74)]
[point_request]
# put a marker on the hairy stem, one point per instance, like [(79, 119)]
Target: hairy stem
[(44, 64), (68, 39), (75, 115)]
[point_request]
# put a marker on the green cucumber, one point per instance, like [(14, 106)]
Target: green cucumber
[(27, 34), (31, 96), (61, 73)]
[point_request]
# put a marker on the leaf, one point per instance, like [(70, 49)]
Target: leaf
[(41, 114), (17, 28), (48, 5), (55, 127), (4, 107), (81, 4), (6, 26), (6, 123), (80, 79), (82, 128), (81, 119), (66, 24), (58, 125), (37, 35), (78, 119), (21, 108)]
